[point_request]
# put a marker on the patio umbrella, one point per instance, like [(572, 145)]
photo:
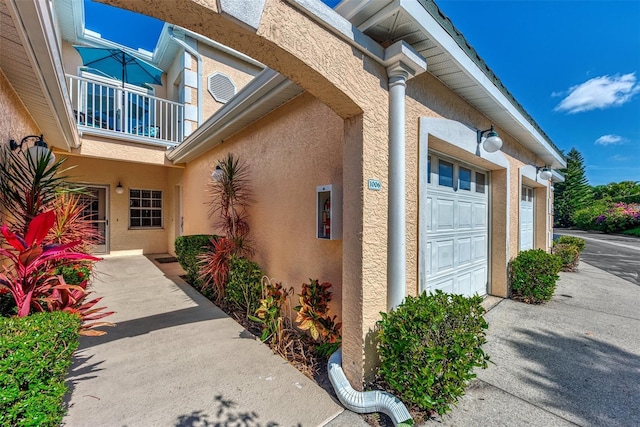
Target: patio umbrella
[(120, 65)]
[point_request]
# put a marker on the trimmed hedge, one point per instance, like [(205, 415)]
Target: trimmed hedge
[(570, 240), (533, 276), (429, 347), (569, 254), (244, 288), (35, 355), (187, 250)]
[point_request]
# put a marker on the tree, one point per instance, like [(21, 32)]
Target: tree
[(624, 191), (572, 194)]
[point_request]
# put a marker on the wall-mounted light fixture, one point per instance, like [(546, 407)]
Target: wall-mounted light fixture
[(492, 142), (119, 189), (38, 150), (545, 173), (217, 174)]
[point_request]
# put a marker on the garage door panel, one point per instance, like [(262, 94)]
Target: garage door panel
[(444, 255), (430, 216), (444, 284), (464, 284), (480, 214), (464, 251), (429, 255), (479, 248), (444, 214), (479, 278), (464, 214)]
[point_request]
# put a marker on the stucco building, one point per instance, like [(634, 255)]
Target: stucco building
[(381, 105)]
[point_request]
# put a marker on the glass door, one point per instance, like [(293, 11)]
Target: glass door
[(96, 213)]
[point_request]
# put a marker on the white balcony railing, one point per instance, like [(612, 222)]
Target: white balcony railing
[(108, 108)]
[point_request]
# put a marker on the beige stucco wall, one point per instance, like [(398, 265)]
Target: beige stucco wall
[(139, 176), (214, 60), (289, 153), (354, 87), (15, 120)]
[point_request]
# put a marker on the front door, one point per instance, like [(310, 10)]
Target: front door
[(96, 213)]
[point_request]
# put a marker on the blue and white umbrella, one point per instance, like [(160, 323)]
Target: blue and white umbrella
[(120, 65)]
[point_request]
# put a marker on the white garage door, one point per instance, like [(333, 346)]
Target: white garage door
[(526, 218), (457, 227)]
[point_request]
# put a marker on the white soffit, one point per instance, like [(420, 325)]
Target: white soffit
[(408, 20)]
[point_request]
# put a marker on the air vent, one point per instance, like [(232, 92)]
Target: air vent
[(221, 87)]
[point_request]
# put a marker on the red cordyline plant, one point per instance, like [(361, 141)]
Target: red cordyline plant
[(71, 223), (29, 276)]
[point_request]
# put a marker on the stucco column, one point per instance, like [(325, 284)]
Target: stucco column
[(397, 225)]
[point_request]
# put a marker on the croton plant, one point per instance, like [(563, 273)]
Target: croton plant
[(29, 275)]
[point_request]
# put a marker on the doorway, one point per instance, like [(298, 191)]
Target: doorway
[(97, 213)]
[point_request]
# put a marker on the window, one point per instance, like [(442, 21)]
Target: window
[(464, 177), (145, 209), (480, 183), (445, 173), (429, 169)]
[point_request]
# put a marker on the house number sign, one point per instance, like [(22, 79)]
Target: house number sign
[(375, 185)]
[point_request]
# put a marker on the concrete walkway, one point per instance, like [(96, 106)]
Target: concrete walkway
[(175, 359), (572, 361)]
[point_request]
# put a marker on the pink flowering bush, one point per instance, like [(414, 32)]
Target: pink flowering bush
[(620, 217)]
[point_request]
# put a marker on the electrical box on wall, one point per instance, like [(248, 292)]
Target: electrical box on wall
[(329, 212)]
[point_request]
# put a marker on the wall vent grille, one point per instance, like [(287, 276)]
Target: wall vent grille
[(221, 87)]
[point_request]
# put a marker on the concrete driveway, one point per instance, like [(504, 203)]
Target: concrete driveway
[(572, 361), (175, 359)]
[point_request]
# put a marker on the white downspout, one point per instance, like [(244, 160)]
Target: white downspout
[(402, 63), (397, 225), (367, 401), (195, 53)]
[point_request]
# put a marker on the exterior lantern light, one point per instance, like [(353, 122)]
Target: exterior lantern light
[(492, 142), (545, 173), (217, 174), (119, 189), (38, 150)]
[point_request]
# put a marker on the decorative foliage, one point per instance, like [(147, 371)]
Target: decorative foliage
[(35, 355), (27, 186), (71, 224), (312, 312), (230, 199), (568, 254), (214, 266), (620, 217), (571, 240), (244, 289), (188, 251), (30, 275), (269, 313), (533, 276), (429, 347)]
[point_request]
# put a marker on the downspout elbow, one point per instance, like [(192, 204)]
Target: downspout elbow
[(368, 401)]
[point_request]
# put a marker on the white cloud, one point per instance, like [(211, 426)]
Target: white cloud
[(600, 93), (609, 140), (619, 158)]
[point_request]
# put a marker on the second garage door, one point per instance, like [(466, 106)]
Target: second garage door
[(457, 227)]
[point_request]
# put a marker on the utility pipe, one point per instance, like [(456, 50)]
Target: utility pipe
[(195, 53), (368, 401)]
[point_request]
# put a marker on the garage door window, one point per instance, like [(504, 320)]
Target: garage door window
[(464, 178), (480, 182), (445, 174)]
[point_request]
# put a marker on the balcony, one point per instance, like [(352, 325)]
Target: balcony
[(114, 111)]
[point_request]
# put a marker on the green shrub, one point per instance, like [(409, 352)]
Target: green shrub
[(568, 254), (74, 274), (187, 250), (35, 354), (632, 232), (429, 347), (585, 218), (244, 288), (533, 276), (570, 240)]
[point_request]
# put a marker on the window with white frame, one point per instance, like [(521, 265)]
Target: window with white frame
[(145, 208)]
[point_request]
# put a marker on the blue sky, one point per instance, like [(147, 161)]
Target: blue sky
[(573, 65)]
